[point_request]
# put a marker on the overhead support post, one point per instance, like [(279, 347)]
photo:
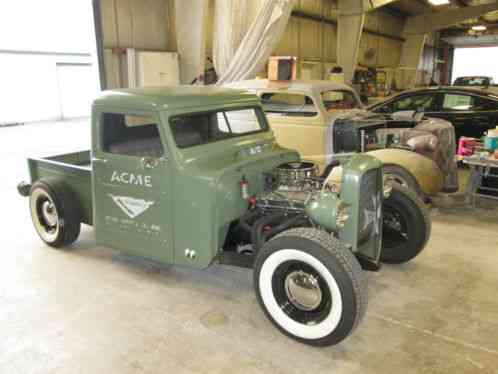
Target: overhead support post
[(350, 21), (411, 55), (190, 17)]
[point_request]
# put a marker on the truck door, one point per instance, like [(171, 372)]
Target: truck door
[(132, 184)]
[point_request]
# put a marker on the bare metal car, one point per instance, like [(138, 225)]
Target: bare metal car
[(326, 122)]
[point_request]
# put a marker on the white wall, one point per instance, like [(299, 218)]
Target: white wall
[(36, 36), (46, 25), (30, 87)]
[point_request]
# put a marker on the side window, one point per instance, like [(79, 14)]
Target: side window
[(288, 104), (456, 102), (387, 108), (481, 103), (415, 102), (131, 135)]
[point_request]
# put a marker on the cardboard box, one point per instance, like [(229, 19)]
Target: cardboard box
[(282, 68)]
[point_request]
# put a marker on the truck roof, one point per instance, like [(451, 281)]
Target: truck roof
[(174, 97)]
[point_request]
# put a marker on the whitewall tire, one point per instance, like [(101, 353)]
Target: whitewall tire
[(310, 286)]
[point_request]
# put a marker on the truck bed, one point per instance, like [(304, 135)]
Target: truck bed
[(75, 169)]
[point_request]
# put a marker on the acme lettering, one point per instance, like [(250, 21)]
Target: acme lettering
[(130, 178)]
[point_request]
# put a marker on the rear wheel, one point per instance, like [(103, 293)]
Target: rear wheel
[(310, 286), (54, 212), (406, 226)]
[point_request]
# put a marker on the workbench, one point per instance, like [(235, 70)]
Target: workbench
[(481, 168)]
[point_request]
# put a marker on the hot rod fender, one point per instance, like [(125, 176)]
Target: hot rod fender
[(427, 173)]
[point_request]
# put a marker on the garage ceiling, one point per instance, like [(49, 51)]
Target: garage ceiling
[(461, 34)]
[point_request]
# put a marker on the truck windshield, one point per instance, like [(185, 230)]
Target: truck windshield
[(194, 129)]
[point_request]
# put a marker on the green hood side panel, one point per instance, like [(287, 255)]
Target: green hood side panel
[(206, 191)]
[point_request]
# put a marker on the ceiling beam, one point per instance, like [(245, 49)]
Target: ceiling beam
[(330, 21), (435, 21)]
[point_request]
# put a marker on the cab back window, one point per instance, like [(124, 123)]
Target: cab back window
[(200, 128)]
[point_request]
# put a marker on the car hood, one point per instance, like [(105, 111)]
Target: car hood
[(360, 114)]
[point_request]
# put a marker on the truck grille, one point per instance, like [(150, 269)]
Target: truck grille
[(370, 208)]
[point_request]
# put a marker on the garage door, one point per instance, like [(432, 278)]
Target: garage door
[(77, 89)]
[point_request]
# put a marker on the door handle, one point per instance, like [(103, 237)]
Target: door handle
[(148, 162), (99, 160)]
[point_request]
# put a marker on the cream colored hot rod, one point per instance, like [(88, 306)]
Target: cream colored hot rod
[(326, 122)]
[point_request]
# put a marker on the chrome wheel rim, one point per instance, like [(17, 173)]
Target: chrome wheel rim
[(303, 290), (49, 214), (44, 215)]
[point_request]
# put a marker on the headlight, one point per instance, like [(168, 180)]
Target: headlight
[(328, 211)]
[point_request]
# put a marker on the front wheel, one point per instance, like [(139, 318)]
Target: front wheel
[(406, 226), (310, 286)]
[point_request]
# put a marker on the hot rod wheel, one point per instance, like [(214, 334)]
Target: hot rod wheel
[(406, 226), (54, 212), (310, 286)]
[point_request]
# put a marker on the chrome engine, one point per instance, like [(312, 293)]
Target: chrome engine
[(290, 186)]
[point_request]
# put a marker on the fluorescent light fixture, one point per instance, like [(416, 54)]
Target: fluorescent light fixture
[(479, 28), (439, 2)]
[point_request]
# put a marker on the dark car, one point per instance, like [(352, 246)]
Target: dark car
[(479, 81), (471, 111)]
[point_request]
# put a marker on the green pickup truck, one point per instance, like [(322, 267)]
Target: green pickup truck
[(193, 176)]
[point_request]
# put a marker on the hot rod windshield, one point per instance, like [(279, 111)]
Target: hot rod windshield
[(194, 129)]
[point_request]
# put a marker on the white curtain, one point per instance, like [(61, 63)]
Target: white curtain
[(258, 43), (232, 20)]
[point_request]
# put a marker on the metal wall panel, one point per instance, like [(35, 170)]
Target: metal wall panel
[(315, 41), (142, 24)]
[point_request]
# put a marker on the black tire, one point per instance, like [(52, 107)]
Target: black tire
[(55, 212), (406, 226), (329, 271), (400, 175)]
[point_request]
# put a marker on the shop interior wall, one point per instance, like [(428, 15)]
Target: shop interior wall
[(149, 24), (315, 42), (140, 24)]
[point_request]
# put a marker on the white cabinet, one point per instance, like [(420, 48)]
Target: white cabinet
[(152, 68)]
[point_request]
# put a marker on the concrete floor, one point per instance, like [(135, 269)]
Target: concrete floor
[(91, 310)]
